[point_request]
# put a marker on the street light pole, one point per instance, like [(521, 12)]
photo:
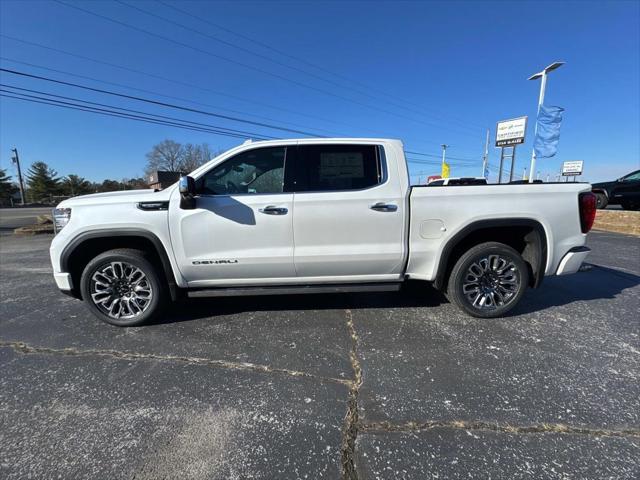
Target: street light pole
[(543, 86), (444, 155), (16, 160), (485, 157)]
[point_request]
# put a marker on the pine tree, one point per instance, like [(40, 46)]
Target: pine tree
[(6, 187), (42, 182), (73, 185)]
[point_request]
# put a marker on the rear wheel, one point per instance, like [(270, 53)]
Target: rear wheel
[(123, 288), (601, 200), (488, 280)]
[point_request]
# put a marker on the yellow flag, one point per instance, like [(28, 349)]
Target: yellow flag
[(445, 170)]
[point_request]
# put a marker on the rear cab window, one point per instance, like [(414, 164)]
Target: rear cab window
[(339, 167)]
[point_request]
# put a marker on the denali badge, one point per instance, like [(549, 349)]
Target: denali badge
[(213, 262)]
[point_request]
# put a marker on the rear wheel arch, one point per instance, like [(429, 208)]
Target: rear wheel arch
[(86, 246), (527, 236)]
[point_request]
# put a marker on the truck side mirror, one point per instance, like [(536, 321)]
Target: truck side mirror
[(187, 187)]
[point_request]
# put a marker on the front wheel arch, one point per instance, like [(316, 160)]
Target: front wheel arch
[(86, 246)]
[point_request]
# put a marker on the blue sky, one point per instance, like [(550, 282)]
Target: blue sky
[(425, 72)]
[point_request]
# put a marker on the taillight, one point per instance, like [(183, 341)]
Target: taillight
[(587, 203)]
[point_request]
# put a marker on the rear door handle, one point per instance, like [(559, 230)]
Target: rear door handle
[(273, 210), (384, 207)]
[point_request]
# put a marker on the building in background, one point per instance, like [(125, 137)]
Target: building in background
[(161, 179)]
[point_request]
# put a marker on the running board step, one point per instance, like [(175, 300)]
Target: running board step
[(294, 289)]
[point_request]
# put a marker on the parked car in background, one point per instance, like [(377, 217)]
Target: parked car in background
[(451, 181), (624, 191)]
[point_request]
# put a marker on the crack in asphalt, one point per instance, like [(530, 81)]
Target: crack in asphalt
[(350, 429), (28, 349), (388, 427)]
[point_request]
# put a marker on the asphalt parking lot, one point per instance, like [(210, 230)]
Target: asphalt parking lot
[(397, 385)]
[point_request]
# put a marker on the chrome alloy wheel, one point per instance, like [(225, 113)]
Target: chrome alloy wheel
[(121, 290), (491, 282)]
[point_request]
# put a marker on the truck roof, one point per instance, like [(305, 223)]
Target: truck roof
[(316, 140)]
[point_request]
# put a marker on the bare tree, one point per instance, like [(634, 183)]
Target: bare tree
[(166, 155), (194, 156)]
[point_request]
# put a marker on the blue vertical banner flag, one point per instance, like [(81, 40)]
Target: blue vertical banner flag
[(548, 131)]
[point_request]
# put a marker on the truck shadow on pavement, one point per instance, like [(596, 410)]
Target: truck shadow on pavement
[(411, 296), (594, 284)]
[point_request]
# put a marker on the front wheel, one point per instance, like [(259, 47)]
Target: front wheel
[(488, 280), (122, 287)]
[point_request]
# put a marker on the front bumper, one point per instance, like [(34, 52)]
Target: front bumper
[(571, 262)]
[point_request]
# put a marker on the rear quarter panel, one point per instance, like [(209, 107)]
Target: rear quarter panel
[(439, 213)]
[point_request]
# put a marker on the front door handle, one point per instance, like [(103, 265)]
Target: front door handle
[(272, 210), (384, 207)]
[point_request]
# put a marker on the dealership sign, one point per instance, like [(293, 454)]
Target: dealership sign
[(511, 132), (572, 168)]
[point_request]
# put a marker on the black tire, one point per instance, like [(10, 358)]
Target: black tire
[(506, 275), (149, 306), (601, 200), (630, 205)]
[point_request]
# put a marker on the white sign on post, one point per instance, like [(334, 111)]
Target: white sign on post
[(572, 168), (511, 132)]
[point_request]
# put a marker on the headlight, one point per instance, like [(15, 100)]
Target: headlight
[(61, 217)]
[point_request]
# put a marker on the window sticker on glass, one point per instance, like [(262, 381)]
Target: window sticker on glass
[(341, 165)]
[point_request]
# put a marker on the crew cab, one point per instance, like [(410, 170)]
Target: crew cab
[(315, 215)]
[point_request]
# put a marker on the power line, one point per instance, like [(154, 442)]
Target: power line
[(113, 113), (87, 102), (251, 67), (160, 77), (146, 117), (170, 80), (169, 105), (298, 59), (154, 102), (129, 87), (440, 156), (428, 162)]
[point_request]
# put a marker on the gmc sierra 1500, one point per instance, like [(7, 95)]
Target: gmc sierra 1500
[(315, 215)]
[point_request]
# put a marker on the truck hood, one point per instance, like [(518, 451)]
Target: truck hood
[(122, 196)]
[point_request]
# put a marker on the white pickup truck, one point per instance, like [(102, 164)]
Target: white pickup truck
[(315, 215)]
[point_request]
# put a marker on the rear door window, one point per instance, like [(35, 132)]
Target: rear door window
[(337, 167)]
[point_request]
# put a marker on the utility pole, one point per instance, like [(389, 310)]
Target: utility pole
[(16, 160), (543, 86), (485, 158)]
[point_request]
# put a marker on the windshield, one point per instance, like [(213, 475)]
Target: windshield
[(632, 176)]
